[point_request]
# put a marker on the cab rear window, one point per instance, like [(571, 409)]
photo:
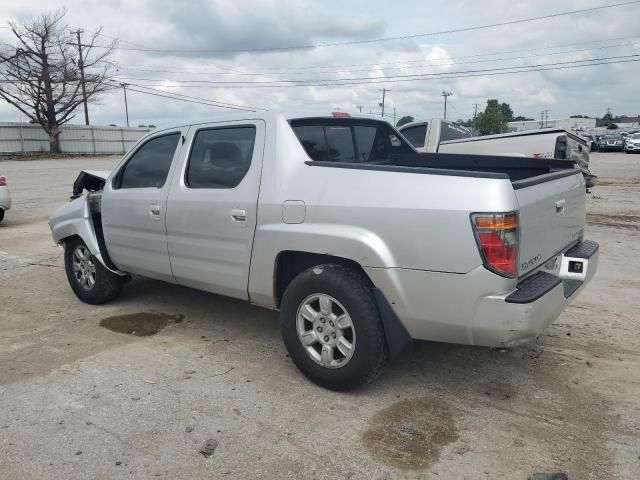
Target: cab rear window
[(349, 143)]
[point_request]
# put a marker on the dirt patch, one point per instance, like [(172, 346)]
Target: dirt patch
[(141, 324), (627, 222), (411, 433)]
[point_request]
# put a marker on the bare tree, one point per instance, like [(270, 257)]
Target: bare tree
[(40, 75)]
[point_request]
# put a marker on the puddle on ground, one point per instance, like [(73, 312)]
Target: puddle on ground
[(410, 434), (141, 324)]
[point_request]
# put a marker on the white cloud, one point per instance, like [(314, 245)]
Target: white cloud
[(242, 24)]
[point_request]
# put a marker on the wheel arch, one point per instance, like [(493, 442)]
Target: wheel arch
[(290, 263)]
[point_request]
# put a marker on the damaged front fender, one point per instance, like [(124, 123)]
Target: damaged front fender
[(76, 219)]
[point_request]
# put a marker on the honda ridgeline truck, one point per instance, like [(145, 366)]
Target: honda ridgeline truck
[(358, 240)]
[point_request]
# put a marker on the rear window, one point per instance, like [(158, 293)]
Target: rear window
[(452, 131), (340, 146), (350, 143), (312, 139), (416, 135)]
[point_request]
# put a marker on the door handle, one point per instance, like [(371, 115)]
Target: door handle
[(560, 204), (154, 211), (239, 215)]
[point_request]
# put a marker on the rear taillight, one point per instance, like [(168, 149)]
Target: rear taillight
[(497, 237), (3, 181)]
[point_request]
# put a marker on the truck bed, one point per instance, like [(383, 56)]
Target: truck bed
[(521, 171)]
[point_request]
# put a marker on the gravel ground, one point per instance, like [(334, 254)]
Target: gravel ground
[(167, 382)]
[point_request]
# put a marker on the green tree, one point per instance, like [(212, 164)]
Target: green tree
[(507, 111), (492, 120), (404, 120), (607, 118)]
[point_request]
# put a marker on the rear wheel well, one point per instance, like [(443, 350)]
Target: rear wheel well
[(290, 263)]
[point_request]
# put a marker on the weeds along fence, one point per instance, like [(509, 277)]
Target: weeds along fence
[(29, 138)]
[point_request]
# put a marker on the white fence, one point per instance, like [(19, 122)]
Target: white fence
[(26, 137)]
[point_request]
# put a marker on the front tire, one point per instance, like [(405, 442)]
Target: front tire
[(89, 279), (332, 329)]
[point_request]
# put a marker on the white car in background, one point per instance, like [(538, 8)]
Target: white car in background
[(5, 199), (632, 144)]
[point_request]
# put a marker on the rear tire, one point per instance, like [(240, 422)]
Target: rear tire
[(332, 308), (1, 215), (89, 279)]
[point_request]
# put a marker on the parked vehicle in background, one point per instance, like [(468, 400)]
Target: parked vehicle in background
[(592, 141), (5, 198), (361, 242), (448, 137), (611, 142), (633, 143)]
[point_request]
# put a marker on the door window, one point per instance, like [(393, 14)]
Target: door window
[(149, 165), (220, 157)]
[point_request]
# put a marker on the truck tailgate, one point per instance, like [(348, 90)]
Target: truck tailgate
[(552, 216)]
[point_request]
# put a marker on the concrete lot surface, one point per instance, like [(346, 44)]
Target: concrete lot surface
[(81, 396)]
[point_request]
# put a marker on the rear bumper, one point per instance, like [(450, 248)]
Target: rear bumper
[(479, 308)]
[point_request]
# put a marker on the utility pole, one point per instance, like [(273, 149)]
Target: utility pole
[(475, 114), (446, 94), (126, 108), (542, 119), (394, 116), (359, 107), (384, 91), (81, 67)]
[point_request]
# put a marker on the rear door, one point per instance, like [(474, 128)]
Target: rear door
[(134, 207), (212, 207), (552, 216)]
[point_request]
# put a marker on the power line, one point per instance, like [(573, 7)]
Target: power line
[(423, 65), (189, 99), (383, 79), (218, 103), (444, 77), (384, 39)]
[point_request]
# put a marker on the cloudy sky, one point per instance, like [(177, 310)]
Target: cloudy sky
[(184, 47)]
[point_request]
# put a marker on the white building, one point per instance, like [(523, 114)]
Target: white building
[(576, 124)]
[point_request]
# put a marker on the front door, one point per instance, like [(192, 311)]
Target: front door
[(134, 207), (212, 207)]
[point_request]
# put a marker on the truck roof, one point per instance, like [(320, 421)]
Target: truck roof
[(267, 116)]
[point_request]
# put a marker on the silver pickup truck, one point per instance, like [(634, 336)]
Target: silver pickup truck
[(360, 241)]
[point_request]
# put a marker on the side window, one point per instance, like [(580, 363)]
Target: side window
[(340, 144), (313, 141), (416, 135), (220, 157), (149, 165), (370, 144)]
